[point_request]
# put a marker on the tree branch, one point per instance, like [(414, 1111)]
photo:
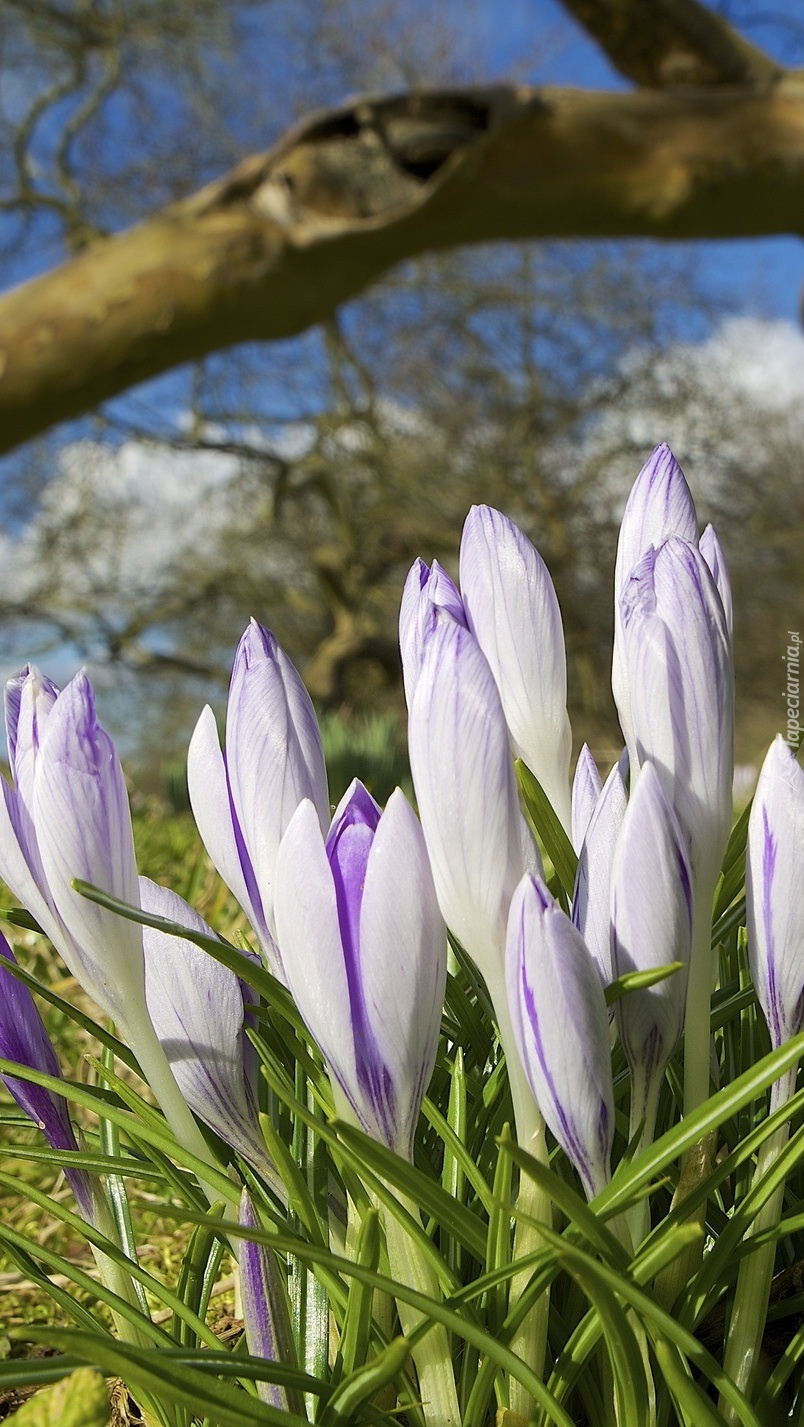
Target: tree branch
[(282, 241), (669, 44)]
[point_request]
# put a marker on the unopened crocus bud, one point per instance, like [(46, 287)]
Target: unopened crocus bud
[(561, 1029), (681, 679), (429, 595), (463, 774), (244, 798), (266, 1313), (651, 915), (591, 898), (364, 949), (513, 612), (23, 1039), (197, 1009), (775, 892), (660, 505)]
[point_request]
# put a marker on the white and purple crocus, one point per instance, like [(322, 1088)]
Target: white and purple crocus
[(364, 952), (244, 796)]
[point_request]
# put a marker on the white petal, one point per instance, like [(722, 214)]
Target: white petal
[(402, 957), (514, 614), (83, 828), (463, 775), (212, 809), (775, 891), (310, 942)]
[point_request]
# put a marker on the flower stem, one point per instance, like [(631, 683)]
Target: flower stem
[(431, 1353), (749, 1312)]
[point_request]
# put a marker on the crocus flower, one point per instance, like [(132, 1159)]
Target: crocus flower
[(651, 916), (428, 596), (266, 1314), (67, 817), (591, 911), (244, 798), (197, 1009), (513, 612), (681, 681), (23, 1039), (775, 892), (561, 1029), (466, 791), (660, 505), (364, 951)]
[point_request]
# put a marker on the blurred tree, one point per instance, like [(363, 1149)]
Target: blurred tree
[(298, 482), (710, 143)]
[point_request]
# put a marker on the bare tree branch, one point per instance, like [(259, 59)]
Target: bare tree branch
[(286, 237), (670, 44)]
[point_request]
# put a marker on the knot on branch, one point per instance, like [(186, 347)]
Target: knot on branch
[(369, 159)]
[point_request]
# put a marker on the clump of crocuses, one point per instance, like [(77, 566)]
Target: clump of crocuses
[(588, 926)]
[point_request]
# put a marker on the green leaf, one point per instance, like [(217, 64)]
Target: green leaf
[(631, 1388), (161, 1377), (365, 1383), (640, 980), (80, 1400), (548, 827), (356, 1333)]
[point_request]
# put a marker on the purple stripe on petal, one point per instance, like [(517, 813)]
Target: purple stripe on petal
[(778, 1032), (348, 847)]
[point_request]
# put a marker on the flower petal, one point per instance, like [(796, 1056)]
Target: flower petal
[(651, 913), (403, 994), (208, 784), (591, 899), (775, 892), (586, 788), (513, 613), (83, 827), (273, 752), (660, 505), (463, 775), (428, 595), (196, 1006), (681, 682), (310, 942), (560, 1026), (712, 551)]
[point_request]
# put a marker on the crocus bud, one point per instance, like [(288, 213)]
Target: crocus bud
[(561, 1029), (775, 892), (514, 615), (244, 799), (660, 505), (266, 1313), (681, 681), (75, 823), (197, 1009), (364, 950), (463, 774), (591, 909), (586, 789), (428, 596), (84, 831), (651, 915), (23, 1039)]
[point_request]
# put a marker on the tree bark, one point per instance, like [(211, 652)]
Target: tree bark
[(289, 235)]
